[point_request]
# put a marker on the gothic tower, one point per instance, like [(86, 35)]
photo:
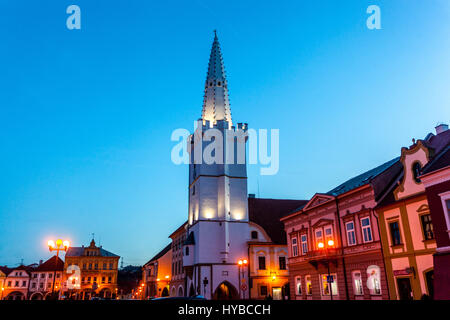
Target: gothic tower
[(218, 206)]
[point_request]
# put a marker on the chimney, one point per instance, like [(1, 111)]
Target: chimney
[(441, 128)]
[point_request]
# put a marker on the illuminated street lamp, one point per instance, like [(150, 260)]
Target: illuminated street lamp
[(321, 246), (241, 265), (58, 246)]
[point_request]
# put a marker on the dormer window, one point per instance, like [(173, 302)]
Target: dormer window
[(254, 234)]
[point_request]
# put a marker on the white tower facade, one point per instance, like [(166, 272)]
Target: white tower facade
[(218, 228)]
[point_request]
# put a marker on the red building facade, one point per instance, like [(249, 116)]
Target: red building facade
[(335, 249), (436, 178)]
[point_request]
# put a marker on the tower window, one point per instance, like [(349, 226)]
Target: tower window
[(219, 83), (254, 234)]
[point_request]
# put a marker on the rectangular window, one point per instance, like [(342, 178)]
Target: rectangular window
[(89, 280), (304, 240), (326, 285), (319, 237), (84, 266), (104, 266), (109, 279), (357, 283), (350, 229), (24, 283), (50, 275), (41, 285), (82, 280), (395, 233), (282, 263), (262, 263), (328, 233), (103, 279), (35, 275), (90, 266), (427, 227), (294, 247), (96, 266), (17, 283), (33, 285), (9, 283), (263, 290), (308, 285), (110, 266), (366, 229), (298, 286), (42, 275)]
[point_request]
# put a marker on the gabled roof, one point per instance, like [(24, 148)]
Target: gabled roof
[(366, 177), (317, 199), (440, 161), (160, 254), (268, 212), (52, 264), (437, 144), (5, 270), (180, 228), (79, 251)]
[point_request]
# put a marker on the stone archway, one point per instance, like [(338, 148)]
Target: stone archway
[(165, 292), (37, 296), (105, 293), (15, 295), (226, 291), (180, 292)]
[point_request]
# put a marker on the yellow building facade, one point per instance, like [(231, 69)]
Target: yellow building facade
[(90, 271), (407, 230)]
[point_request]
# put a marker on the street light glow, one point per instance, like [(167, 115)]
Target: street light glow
[(320, 245), (330, 243)]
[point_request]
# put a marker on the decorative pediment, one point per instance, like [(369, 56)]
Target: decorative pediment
[(413, 159), (423, 208), (318, 199), (322, 222)]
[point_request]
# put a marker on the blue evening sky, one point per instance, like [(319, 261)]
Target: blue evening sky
[(86, 115)]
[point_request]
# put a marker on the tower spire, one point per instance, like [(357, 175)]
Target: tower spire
[(216, 104)]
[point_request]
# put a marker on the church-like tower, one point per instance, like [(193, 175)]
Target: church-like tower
[(218, 228)]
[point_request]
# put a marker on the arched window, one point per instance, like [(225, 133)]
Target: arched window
[(416, 167), (373, 279), (254, 234)]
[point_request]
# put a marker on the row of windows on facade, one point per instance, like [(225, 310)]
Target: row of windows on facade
[(373, 283), (94, 279), (95, 265), (262, 263), (427, 230), (41, 285), (177, 267), (324, 234), (177, 244), (42, 275)]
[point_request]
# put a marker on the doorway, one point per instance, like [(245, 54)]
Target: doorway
[(404, 289), (429, 278), (276, 294)]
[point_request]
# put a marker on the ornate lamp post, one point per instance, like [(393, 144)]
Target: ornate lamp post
[(58, 246), (241, 265), (330, 244)]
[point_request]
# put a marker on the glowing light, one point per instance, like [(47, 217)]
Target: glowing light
[(157, 279), (167, 277), (245, 261), (320, 245), (274, 277), (51, 243), (330, 243), (240, 262), (59, 243), (66, 243)]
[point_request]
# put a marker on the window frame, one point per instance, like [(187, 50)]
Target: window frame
[(298, 285), (393, 243), (369, 226), (317, 238), (444, 198), (294, 252), (430, 222), (356, 292), (353, 231), (262, 258), (304, 244)]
